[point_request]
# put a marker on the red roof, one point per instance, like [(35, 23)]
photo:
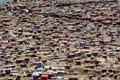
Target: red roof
[(44, 75), (2, 47)]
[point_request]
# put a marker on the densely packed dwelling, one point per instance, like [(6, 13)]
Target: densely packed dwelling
[(60, 40)]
